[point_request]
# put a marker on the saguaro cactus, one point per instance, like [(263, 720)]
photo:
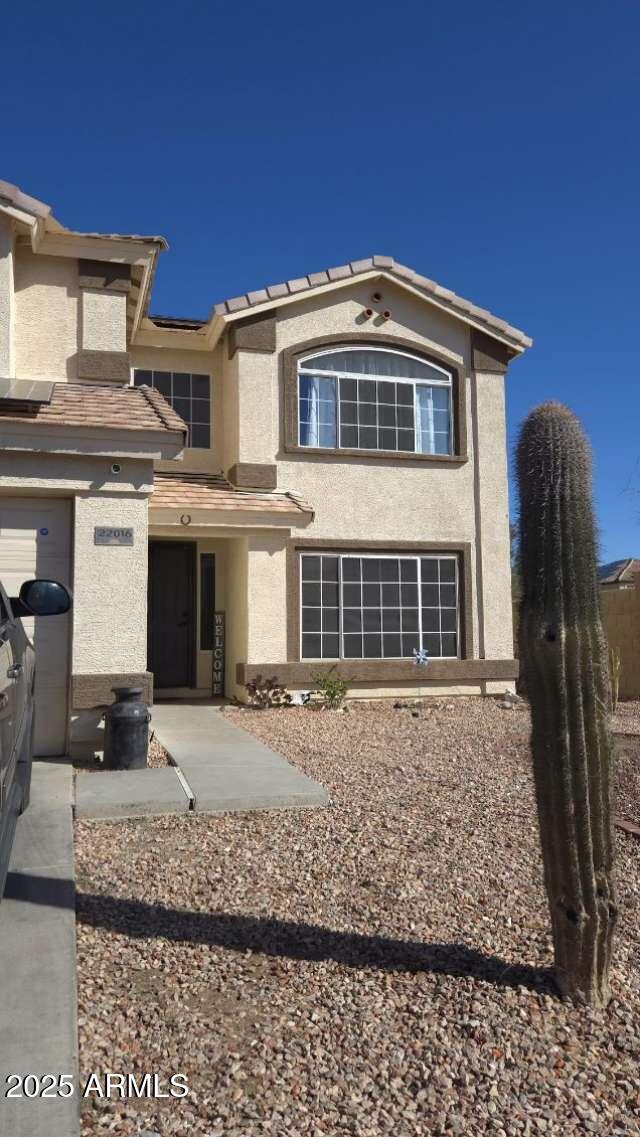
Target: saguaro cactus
[(564, 657)]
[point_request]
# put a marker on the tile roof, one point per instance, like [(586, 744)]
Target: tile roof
[(137, 238), (15, 196), (213, 491), (91, 405), (443, 296), (619, 572)]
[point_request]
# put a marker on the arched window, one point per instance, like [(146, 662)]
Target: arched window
[(373, 398)]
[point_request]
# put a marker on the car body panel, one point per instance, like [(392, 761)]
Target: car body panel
[(17, 720)]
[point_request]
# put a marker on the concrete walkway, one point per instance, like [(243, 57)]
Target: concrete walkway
[(130, 793), (38, 1010), (226, 768)]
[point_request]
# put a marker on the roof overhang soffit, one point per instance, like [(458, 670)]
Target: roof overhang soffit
[(141, 255)]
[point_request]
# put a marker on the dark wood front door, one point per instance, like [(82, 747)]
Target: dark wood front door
[(172, 613)]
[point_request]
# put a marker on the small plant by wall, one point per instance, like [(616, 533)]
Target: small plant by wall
[(266, 692), (564, 656), (331, 687)]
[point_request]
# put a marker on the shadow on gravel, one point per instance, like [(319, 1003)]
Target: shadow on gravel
[(285, 939)]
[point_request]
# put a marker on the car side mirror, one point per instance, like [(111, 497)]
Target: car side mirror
[(41, 598)]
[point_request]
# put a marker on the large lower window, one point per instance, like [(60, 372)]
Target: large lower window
[(190, 397), (378, 607), (374, 399)]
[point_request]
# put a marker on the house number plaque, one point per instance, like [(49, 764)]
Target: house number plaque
[(106, 535), (218, 654)]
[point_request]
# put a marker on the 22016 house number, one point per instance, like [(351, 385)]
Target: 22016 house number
[(108, 535)]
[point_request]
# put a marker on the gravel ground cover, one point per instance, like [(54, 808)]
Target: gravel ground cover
[(378, 967)]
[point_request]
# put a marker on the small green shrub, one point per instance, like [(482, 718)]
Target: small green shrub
[(332, 688)]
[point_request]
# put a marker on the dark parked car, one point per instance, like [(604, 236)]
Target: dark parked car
[(17, 675)]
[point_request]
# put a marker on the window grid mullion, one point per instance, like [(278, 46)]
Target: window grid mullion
[(419, 579), (340, 611), (380, 606), (440, 605), (380, 609), (361, 559)]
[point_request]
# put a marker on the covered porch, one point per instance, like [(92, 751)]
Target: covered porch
[(216, 582)]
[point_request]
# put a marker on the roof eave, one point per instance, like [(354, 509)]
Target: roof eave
[(513, 338)]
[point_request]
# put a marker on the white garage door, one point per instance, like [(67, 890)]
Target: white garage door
[(35, 541)]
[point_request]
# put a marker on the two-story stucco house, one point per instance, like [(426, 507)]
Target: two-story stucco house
[(323, 461)]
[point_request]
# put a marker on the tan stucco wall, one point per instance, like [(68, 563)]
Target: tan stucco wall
[(109, 602), (383, 500), (109, 584), (267, 599), (197, 363), (493, 567), (236, 612), (110, 587), (47, 324), (7, 361), (104, 320), (65, 475), (258, 406)]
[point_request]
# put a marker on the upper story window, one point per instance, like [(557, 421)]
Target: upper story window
[(369, 398), (190, 397)]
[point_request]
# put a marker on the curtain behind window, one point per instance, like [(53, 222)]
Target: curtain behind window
[(317, 411)]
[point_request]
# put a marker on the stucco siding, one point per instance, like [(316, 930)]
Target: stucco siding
[(46, 317), (267, 599), (236, 612), (6, 298), (63, 474), (110, 587), (342, 311), (494, 568), (365, 498), (104, 320), (258, 407)]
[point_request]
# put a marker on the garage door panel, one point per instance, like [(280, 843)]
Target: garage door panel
[(35, 541)]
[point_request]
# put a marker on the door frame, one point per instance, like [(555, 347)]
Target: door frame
[(192, 577)]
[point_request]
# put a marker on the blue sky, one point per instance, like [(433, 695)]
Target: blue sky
[(493, 147)]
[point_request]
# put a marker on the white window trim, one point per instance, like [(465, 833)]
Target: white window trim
[(417, 557), (447, 382), (171, 371)]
